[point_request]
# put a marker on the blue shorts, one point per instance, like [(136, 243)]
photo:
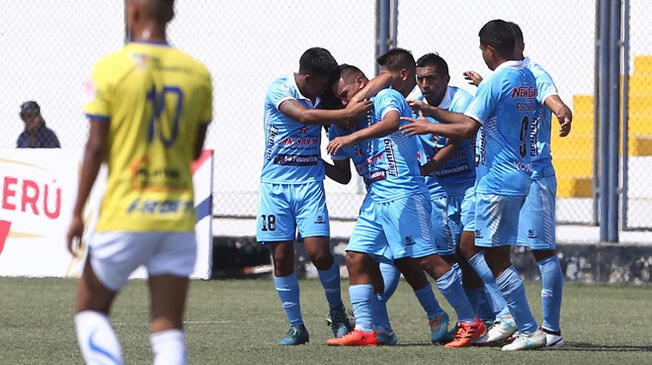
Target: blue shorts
[(285, 207), (496, 219), (461, 215), (393, 230), (444, 242), (536, 226)]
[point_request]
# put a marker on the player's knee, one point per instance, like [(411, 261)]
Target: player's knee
[(542, 254), (322, 259)]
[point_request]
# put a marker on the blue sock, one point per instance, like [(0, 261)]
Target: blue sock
[(427, 299), (391, 277), (497, 301), (475, 296), (552, 282), (330, 280), (511, 285), (380, 316), (287, 288), (450, 286), (363, 301)]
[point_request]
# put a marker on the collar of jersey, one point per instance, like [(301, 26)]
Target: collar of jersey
[(445, 103), (447, 99), (512, 63), (293, 83), (153, 43)]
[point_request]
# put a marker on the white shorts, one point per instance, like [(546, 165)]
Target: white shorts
[(115, 255)]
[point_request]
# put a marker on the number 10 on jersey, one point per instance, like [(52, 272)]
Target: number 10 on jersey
[(157, 97)]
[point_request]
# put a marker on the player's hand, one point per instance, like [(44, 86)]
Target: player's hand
[(416, 126), (74, 235), (357, 108), (473, 77), (565, 119), (418, 106), (339, 142)]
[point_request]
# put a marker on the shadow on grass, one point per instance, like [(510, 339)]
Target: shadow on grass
[(582, 346)]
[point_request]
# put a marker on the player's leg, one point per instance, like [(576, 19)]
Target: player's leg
[(111, 259), (460, 215), (313, 225), (402, 232), (276, 226), (447, 277), (365, 248), (537, 231), (497, 230), (168, 269)]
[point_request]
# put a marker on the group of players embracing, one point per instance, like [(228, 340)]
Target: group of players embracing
[(453, 181)]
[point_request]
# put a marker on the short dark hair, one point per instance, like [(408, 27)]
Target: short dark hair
[(518, 33), (348, 72), (318, 61), (435, 60), (396, 59), (498, 34)]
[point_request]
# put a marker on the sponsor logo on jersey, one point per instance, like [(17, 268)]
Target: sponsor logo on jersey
[(375, 176), (273, 132), (319, 220), (478, 234), (392, 168), (296, 160), (531, 234), (529, 92)]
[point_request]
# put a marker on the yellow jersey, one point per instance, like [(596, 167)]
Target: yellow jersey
[(154, 98)]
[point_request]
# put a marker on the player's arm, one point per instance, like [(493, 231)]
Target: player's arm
[(387, 125), (339, 171), (441, 157), (473, 77), (201, 137), (94, 153), (374, 85), (301, 114), (563, 113), (454, 125)]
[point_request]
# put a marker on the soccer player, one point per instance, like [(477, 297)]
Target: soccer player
[(150, 105), (450, 173), (400, 64), (394, 215), (504, 106), (537, 221), (292, 192)]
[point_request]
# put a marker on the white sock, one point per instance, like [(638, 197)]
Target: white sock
[(97, 341), (169, 347)]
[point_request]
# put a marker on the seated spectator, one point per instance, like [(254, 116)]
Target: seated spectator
[(36, 134)]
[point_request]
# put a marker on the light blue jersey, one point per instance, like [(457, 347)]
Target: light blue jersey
[(292, 149), (540, 134), (389, 164), (458, 174), (505, 104)]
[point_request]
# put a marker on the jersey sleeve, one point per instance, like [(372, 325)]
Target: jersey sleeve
[(279, 92), (207, 108), (484, 102), (545, 86), (335, 131), (385, 102), (97, 92)]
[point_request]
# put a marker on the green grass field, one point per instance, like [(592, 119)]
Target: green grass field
[(239, 321)]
